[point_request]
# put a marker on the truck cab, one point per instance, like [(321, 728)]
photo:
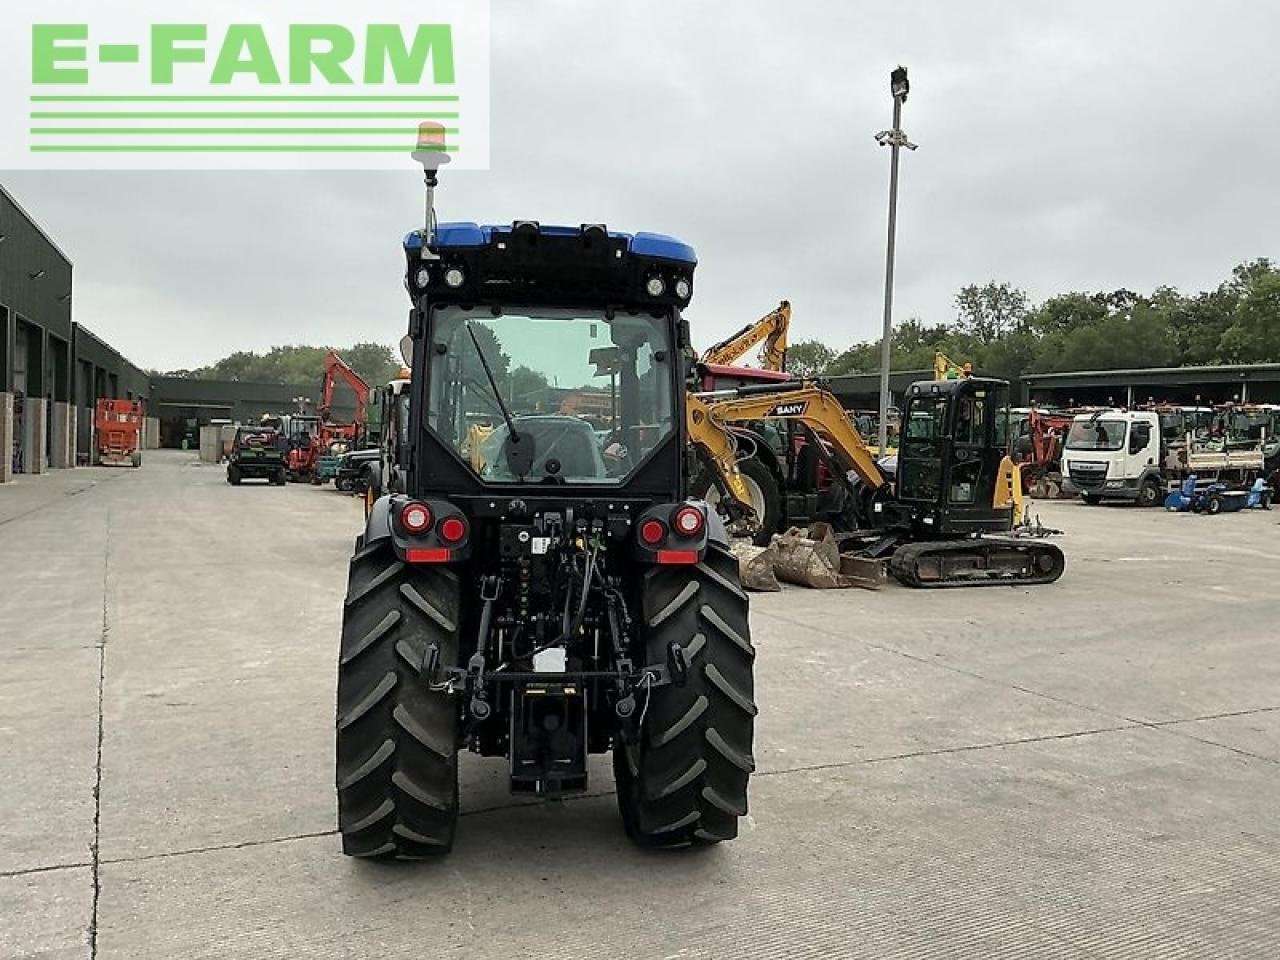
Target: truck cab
[(1114, 455)]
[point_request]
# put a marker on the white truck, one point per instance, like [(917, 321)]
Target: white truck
[(1121, 455)]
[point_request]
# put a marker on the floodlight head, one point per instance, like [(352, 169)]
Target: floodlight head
[(431, 146), (898, 84)]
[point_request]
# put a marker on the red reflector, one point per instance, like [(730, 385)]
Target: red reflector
[(452, 529), (428, 555), (677, 556), (652, 532)]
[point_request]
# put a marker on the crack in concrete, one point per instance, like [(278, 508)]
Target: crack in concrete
[(48, 868), (97, 784), (75, 492), (945, 751), (1216, 716), (218, 847), (1168, 725)]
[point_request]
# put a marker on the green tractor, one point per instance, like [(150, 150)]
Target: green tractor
[(257, 453), (538, 586)]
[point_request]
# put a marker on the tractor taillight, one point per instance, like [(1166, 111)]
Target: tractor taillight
[(453, 530), (688, 521), (652, 532), (415, 518)]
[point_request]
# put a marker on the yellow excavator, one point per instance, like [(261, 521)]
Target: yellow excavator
[(936, 514), (944, 368), (770, 332)]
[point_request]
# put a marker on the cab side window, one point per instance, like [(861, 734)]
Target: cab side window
[(1139, 437), (969, 421)]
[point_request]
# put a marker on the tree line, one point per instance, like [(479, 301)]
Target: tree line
[(298, 365), (999, 331), (995, 327)]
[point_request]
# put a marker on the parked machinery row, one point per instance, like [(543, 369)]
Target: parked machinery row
[(1141, 455)]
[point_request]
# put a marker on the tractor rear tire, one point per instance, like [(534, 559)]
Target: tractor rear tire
[(763, 485), (684, 780), (397, 769)]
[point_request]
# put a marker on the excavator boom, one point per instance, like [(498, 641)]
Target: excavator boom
[(335, 368), (770, 330), (798, 400)]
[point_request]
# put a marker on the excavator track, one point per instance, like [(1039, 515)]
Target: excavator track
[(977, 562)]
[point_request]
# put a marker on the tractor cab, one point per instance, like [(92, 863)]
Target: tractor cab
[(952, 461), (554, 362)]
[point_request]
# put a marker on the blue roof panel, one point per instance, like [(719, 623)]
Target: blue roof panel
[(462, 234)]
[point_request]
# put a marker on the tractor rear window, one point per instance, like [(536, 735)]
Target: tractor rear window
[(1096, 435), (590, 396)]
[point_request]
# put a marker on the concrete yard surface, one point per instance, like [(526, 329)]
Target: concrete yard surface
[(1089, 769)]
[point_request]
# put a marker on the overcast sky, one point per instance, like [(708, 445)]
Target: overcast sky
[(1062, 146)]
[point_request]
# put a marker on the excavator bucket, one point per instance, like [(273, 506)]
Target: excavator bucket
[(756, 566), (811, 558)]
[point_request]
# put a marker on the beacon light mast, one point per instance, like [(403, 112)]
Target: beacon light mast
[(431, 154)]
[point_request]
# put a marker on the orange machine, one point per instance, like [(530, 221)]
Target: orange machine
[(117, 425), (319, 461)]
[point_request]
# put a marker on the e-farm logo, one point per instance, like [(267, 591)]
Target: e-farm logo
[(131, 85)]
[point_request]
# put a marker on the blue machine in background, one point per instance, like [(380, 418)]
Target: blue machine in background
[(1214, 498)]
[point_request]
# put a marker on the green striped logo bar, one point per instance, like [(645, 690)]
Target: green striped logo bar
[(308, 87)]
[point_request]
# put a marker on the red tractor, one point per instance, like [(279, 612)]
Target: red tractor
[(117, 426)]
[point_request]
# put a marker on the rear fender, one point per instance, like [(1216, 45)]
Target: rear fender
[(377, 526), (676, 548), (428, 547), (717, 532)]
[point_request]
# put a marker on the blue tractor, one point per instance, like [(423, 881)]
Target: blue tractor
[(1215, 497), (542, 587)]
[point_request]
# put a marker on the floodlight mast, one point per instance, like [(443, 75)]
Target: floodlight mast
[(431, 154), (895, 139)]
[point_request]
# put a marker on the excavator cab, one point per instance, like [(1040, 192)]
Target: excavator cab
[(953, 468)]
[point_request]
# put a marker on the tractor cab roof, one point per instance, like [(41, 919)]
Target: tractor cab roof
[(961, 385), (462, 235), (526, 262)]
